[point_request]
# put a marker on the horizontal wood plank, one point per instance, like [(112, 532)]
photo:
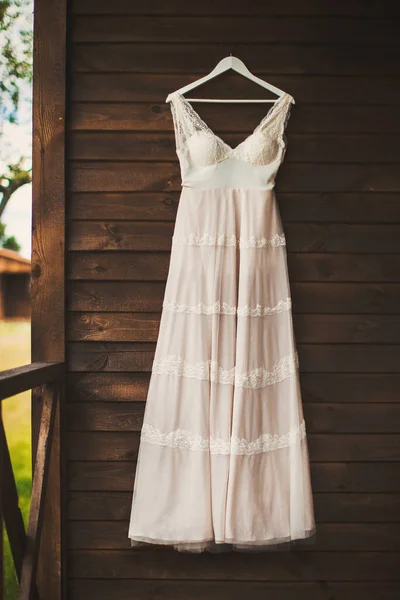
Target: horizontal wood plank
[(110, 145), (116, 446), (332, 537), (314, 329), (320, 417), (316, 387), (257, 7), (296, 207), (105, 508), (300, 237), (305, 118), (283, 59), (92, 176), (104, 589), (280, 566), (354, 481), (227, 29), (313, 267), (150, 87), (314, 358), (315, 298)]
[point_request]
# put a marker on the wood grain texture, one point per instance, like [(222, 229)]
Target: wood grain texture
[(353, 480), (280, 566), (305, 118), (316, 387), (92, 176), (314, 358), (48, 256), (300, 237), (314, 329), (361, 59), (332, 537), (81, 589), (231, 30), (151, 87), (123, 445), (258, 7), (303, 267), (88, 508), (320, 417), (338, 198), (315, 298), (132, 146), (295, 207)]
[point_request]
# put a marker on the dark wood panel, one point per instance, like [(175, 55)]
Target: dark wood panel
[(300, 237), (104, 589), (257, 7), (359, 478), (88, 176), (122, 235), (362, 207), (290, 59), (145, 87), (342, 268), (358, 329), (44, 555), (314, 358), (305, 118), (341, 173), (104, 508), (275, 566), (316, 267), (314, 298), (356, 537), (124, 265), (231, 30), (320, 417), (316, 387), (113, 327), (144, 327), (376, 149), (122, 295), (103, 387), (116, 446)]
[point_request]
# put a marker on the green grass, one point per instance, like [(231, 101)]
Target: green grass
[(15, 351)]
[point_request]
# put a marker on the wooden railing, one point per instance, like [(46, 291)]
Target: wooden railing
[(25, 545)]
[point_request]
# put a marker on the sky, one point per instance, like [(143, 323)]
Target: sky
[(16, 141)]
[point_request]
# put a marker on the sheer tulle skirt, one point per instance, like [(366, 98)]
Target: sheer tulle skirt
[(223, 461)]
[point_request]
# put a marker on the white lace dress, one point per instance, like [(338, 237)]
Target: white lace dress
[(223, 458)]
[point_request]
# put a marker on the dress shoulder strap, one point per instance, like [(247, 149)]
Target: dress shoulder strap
[(274, 123), (185, 119)]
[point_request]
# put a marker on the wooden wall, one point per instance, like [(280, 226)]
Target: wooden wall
[(338, 192)]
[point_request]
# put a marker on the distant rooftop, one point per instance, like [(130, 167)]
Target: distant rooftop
[(12, 262)]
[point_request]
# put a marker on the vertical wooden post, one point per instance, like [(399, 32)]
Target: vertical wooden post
[(48, 257)]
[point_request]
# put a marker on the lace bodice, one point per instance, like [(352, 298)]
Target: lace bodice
[(206, 160)]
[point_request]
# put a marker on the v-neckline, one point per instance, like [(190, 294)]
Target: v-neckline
[(217, 137)]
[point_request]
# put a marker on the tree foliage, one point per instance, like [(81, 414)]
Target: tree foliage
[(15, 68), (15, 55), (8, 242)]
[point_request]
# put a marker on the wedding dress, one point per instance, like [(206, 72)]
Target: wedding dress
[(223, 458)]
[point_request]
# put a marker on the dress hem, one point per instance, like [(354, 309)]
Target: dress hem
[(210, 544)]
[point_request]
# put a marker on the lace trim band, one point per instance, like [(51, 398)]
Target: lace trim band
[(211, 371), (228, 240), (223, 308), (187, 440)]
